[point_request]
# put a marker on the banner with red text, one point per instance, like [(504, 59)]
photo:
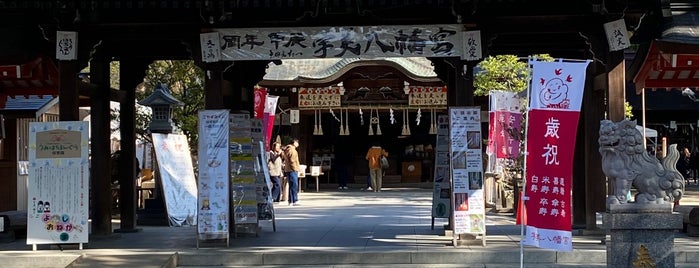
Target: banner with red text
[(554, 107), (505, 123), (551, 146)]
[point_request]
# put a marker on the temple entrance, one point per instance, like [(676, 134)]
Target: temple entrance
[(355, 104)]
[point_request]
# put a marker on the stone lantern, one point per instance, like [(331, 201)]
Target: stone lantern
[(161, 103)]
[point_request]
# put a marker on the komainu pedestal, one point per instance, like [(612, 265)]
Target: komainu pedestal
[(642, 231), (641, 236)]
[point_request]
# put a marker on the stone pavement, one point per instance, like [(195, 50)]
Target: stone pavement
[(335, 228)]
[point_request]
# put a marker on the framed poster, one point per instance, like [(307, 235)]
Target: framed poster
[(58, 185)]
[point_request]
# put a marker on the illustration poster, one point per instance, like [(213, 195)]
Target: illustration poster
[(58, 186), (213, 175)]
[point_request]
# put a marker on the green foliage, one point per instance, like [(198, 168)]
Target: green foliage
[(628, 110), (504, 72)]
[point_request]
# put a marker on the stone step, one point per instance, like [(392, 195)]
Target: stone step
[(534, 258)]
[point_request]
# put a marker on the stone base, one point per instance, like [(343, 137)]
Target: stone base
[(638, 239)]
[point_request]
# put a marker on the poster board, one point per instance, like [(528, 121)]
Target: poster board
[(58, 185), (442, 180), (243, 190), (177, 178), (213, 195), (465, 151), (263, 185)]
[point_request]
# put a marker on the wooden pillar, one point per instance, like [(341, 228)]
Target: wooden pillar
[(213, 98), (100, 152), (68, 90), (616, 92), (587, 170), (131, 73)]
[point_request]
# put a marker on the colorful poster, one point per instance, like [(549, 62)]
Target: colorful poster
[(213, 171), (442, 180), (58, 186), (557, 90), (177, 178), (467, 170)]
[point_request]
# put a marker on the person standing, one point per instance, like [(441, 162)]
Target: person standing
[(683, 164), (291, 170), (275, 165), (373, 155)]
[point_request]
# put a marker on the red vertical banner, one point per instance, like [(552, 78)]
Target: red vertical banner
[(549, 178), (507, 124), (554, 107), (260, 100)]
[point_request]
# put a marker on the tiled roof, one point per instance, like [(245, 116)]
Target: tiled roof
[(24, 102), (293, 69)]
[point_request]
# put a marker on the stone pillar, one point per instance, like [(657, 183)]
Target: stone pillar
[(641, 235)]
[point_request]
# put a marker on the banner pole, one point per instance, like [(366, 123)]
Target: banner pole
[(524, 179)]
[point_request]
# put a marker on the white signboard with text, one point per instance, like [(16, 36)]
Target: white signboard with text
[(467, 170), (341, 42), (58, 186)]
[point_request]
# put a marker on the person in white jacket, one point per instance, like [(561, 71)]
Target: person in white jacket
[(275, 165)]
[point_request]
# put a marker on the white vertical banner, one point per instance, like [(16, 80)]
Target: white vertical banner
[(557, 85), (58, 186), (467, 170), (210, 47), (213, 216), (177, 178), (473, 49), (617, 35), (66, 45)]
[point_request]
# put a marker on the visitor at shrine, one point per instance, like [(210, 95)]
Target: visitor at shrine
[(683, 164), (292, 167), (275, 165), (373, 155)]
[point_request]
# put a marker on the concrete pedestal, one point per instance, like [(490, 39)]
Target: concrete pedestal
[(641, 235)]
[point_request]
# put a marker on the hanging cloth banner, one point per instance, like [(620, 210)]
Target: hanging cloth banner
[(268, 118), (555, 100), (259, 107), (177, 178)]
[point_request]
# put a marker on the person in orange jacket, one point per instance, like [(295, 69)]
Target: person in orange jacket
[(373, 155)]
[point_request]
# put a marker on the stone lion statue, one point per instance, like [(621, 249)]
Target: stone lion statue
[(626, 163)]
